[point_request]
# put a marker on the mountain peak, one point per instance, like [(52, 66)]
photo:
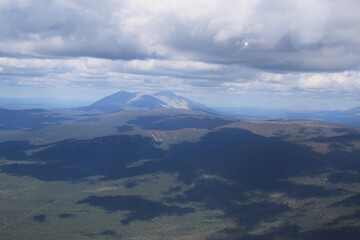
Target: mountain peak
[(137, 100), (166, 93)]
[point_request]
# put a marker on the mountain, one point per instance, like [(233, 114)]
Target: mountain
[(353, 112), (112, 102), (137, 100), (350, 117), (175, 101)]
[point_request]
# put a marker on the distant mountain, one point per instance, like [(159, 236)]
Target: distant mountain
[(349, 117), (113, 102), (353, 112), (137, 100)]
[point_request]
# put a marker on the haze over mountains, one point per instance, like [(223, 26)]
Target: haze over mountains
[(124, 100), (349, 117), (35, 118)]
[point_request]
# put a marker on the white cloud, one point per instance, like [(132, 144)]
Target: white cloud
[(179, 65), (281, 46), (185, 29), (333, 82), (316, 81)]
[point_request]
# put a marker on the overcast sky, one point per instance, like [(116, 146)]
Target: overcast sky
[(301, 54)]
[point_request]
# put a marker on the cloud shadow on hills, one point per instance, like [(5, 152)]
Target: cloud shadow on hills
[(15, 150), (140, 208), (39, 218), (235, 155), (344, 177), (222, 167), (30, 119), (75, 160)]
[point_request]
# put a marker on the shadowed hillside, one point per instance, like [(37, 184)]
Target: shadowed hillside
[(250, 180)]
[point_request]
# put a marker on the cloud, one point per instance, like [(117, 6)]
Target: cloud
[(248, 45), (245, 32)]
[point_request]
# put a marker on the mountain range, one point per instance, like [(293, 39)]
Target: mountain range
[(165, 100)]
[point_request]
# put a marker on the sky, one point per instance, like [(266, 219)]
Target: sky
[(298, 54)]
